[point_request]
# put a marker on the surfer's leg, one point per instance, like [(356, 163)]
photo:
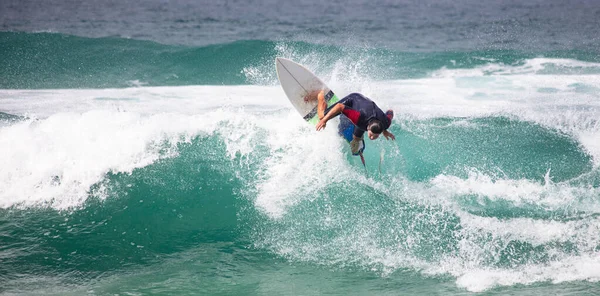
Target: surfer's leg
[(321, 105)]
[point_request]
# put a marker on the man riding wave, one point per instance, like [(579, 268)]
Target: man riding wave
[(362, 112)]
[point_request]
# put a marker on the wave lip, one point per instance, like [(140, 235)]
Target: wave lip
[(58, 159)]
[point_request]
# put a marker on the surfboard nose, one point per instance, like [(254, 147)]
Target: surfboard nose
[(281, 60)]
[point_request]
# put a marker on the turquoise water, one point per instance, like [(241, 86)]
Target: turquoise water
[(157, 154), (38, 60)]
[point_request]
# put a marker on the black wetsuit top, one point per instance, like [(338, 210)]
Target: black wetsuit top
[(361, 110)]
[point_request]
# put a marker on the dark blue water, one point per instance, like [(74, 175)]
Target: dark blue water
[(429, 26)]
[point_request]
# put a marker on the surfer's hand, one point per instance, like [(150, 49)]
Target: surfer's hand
[(321, 125), (388, 135), (355, 144)]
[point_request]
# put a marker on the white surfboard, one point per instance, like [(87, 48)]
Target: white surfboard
[(297, 82)]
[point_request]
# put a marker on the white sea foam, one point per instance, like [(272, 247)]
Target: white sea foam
[(57, 159), (526, 67), (550, 196), (188, 100), (300, 164), (574, 268)]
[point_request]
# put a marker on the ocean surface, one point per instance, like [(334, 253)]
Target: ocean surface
[(147, 148)]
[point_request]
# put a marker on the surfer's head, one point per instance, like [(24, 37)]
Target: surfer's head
[(374, 128)]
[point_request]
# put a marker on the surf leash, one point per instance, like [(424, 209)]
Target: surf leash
[(362, 158), (381, 160)]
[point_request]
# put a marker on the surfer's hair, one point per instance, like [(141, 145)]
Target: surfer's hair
[(376, 127)]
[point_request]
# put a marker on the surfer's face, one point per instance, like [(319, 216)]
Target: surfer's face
[(373, 135), (374, 129)]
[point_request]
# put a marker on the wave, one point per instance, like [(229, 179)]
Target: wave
[(448, 200), (102, 131)]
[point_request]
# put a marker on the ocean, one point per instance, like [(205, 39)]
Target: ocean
[(146, 147)]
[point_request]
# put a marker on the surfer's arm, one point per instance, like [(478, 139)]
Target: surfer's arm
[(337, 109), (388, 135)]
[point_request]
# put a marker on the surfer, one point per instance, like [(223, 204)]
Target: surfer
[(362, 112)]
